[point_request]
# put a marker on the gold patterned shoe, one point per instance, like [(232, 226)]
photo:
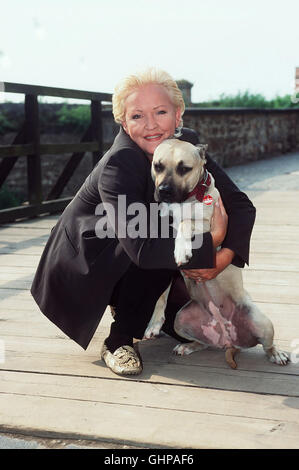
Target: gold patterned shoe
[(124, 361)]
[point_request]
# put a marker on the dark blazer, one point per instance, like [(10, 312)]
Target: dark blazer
[(78, 270)]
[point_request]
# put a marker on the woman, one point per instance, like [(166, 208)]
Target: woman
[(80, 273)]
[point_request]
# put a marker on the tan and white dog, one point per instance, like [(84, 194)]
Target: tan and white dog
[(220, 312)]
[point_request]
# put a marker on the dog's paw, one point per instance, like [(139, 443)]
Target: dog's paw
[(153, 330), (184, 349), (164, 209), (278, 357), (182, 251)]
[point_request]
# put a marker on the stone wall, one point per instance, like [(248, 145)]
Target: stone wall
[(234, 136), (238, 136)]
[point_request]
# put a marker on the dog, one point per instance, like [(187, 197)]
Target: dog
[(220, 312)]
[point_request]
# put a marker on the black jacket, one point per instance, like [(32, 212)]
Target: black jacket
[(78, 270)]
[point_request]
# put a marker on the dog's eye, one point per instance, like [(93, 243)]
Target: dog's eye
[(182, 170), (159, 167)]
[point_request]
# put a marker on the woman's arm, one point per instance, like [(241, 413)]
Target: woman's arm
[(241, 214), (126, 174)]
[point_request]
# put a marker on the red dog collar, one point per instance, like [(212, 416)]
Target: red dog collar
[(201, 187)]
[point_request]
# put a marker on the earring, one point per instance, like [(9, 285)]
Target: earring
[(178, 131)]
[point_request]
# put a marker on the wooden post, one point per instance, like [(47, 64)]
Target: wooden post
[(32, 135), (96, 128)]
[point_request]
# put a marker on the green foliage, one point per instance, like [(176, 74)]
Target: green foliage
[(8, 198), (75, 118), (6, 125), (248, 100)]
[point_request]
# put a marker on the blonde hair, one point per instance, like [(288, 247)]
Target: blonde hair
[(132, 82)]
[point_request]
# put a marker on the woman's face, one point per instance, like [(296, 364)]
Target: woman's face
[(150, 116)]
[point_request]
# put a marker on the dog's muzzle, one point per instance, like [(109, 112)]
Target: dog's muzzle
[(165, 192)]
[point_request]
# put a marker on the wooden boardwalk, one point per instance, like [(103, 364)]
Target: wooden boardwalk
[(51, 387)]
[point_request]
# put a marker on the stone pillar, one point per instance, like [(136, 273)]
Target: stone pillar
[(185, 88)]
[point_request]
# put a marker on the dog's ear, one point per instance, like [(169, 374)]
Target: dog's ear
[(202, 148)]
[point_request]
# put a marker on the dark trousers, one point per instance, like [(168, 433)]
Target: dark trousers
[(134, 299)]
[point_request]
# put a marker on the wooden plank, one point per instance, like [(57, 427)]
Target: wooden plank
[(25, 238), (15, 260), (254, 374), (259, 230), (269, 196), (273, 261), (267, 277), (21, 250), (266, 293), (13, 273), (130, 424), (12, 151), (133, 412), (273, 247), (23, 235), (190, 399), (43, 222), (69, 169), (20, 212)]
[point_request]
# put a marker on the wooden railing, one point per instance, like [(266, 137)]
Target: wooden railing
[(27, 144)]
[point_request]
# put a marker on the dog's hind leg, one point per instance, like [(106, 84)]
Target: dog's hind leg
[(186, 325), (265, 327), (273, 353), (183, 349)]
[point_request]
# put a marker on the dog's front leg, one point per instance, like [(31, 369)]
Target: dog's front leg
[(156, 322), (183, 242)]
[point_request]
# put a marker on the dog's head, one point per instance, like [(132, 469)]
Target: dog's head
[(177, 167)]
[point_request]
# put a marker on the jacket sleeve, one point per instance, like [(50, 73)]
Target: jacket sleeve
[(241, 214), (126, 175)]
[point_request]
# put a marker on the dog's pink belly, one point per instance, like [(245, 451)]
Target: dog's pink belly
[(222, 326)]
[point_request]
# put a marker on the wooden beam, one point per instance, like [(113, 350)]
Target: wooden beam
[(68, 170), (34, 175), (36, 90), (54, 149), (12, 151), (96, 129), (26, 211)]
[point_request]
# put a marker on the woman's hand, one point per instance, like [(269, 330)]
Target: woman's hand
[(219, 223), (223, 258)]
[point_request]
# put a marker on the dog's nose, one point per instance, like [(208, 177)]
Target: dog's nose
[(165, 191)]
